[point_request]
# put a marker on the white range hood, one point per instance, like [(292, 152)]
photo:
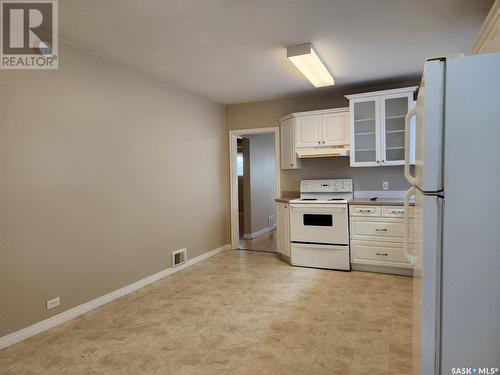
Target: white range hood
[(321, 152)]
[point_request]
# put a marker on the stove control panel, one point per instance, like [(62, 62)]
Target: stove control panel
[(326, 186)]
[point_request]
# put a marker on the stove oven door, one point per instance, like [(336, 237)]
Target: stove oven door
[(319, 223)]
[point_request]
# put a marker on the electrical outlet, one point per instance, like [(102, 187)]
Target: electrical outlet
[(385, 185), (53, 303)]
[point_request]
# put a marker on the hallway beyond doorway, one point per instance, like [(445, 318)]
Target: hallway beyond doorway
[(255, 182), (264, 242)]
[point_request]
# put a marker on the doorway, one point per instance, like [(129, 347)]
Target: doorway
[(254, 171)]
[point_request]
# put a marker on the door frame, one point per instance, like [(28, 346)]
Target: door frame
[(233, 150)]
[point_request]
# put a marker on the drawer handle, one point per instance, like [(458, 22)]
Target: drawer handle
[(365, 211), (380, 229), (384, 254), (397, 212)]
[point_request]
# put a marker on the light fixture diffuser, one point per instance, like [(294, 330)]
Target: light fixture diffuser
[(307, 60)]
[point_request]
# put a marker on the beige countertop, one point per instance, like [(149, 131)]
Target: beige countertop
[(360, 201), (378, 202), (284, 200), (287, 196)]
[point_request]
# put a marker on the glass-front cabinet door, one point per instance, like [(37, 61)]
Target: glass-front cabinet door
[(378, 127), (365, 139), (393, 109)]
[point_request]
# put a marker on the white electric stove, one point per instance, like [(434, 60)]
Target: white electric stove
[(319, 224)]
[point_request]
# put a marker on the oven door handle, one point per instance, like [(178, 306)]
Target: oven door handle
[(321, 246), (329, 208)]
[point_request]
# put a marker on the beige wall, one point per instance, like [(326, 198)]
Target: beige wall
[(104, 172), (266, 114)]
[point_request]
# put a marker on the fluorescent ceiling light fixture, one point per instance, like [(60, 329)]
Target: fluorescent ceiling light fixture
[(307, 60)]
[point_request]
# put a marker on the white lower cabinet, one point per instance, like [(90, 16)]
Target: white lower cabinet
[(283, 228), (377, 239), (376, 228), (368, 252)]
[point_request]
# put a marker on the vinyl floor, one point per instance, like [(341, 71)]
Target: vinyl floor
[(239, 312)]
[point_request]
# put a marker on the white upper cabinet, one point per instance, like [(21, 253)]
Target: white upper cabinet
[(288, 155), (335, 129), (365, 144), (393, 110), (308, 131), (323, 133), (378, 127)]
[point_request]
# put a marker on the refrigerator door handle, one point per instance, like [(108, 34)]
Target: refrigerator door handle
[(408, 194), (412, 112)]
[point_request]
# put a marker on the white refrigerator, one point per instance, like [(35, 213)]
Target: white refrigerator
[(455, 226)]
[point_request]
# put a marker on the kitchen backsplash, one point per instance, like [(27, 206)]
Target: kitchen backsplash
[(365, 179)]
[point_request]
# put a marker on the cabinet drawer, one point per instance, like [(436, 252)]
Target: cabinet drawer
[(393, 211), (365, 210), (378, 252), (380, 229)]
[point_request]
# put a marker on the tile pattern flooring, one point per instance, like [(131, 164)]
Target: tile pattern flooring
[(264, 242), (235, 313)]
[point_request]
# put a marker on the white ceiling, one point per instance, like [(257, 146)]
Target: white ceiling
[(234, 50)]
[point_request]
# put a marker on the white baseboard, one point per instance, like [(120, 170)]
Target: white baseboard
[(60, 318), (382, 269), (251, 236)]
